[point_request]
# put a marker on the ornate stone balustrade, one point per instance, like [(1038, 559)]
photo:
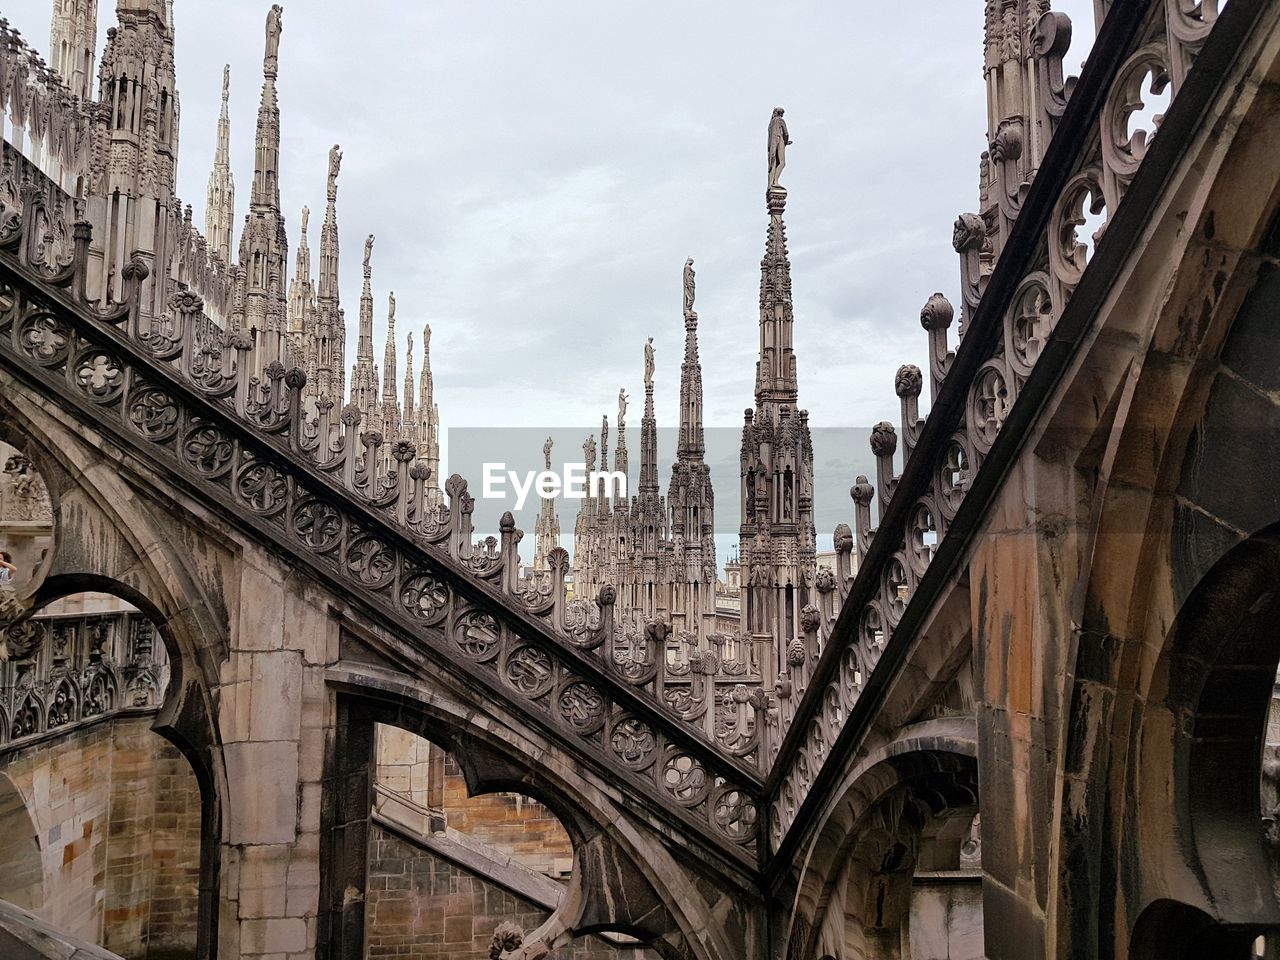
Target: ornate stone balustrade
[(179, 393), (1008, 313), (65, 669)]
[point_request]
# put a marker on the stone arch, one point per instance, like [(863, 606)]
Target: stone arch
[(622, 881), (1156, 455), (21, 859), (110, 538), (858, 872)]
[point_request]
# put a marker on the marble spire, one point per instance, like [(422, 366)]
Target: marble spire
[(220, 200)]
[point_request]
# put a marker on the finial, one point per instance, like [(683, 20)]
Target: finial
[(306, 218), (546, 452), (391, 307), (368, 252), (648, 364), (226, 83)]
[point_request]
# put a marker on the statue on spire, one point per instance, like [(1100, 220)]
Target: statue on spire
[(688, 288), (335, 161), (779, 140), (226, 82), (368, 252), (648, 364), (391, 307), (306, 218), (270, 60), (622, 407), (546, 453)]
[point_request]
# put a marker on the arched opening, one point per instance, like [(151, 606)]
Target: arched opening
[(444, 872), (102, 828)]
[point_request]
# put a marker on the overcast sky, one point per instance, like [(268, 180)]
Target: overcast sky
[(536, 174)]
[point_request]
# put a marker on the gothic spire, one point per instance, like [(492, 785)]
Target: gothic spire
[(266, 169), (691, 444), (410, 429), (776, 368), (331, 329), (648, 430), (219, 213), (389, 353), (364, 375)]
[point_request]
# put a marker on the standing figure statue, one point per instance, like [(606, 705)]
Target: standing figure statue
[(688, 288), (368, 252), (622, 407), (306, 219), (648, 363), (779, 140), (546, 453), (274, 26), (391, 307), (335, 162)]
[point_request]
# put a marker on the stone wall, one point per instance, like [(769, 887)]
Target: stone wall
[(946, 919), (421, 906), (116, 812)]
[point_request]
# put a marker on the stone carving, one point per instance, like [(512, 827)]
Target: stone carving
[(779, 140), (271, 59), (689, 288), (648, 363)]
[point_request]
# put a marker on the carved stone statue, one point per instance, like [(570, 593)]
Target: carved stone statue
[(391, 307), (368, 252), (779, 140), (274, 26), (622, 407), (546, 453), (648, 363), (688, 288), (226, 81), (335, 163), (306, 219)]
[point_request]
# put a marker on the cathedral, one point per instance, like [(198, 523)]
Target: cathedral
[(266, 692)]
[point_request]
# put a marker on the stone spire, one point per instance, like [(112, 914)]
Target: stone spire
[(620, 463), (409, 429), (776, 368), (364, 375), (546, 528), (691, 444), (648, 430), (777, 541), (428, 425), (690, 498), (302, 306), (220, 202), (390, 402), (73, 44), (330, 325), (264, 247)]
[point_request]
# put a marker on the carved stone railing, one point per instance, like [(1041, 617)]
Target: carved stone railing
[(1009, 313), (319, 492), (71, 669)]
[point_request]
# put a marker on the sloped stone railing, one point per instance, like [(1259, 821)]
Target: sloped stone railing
[(178, 393), (1009, 313)]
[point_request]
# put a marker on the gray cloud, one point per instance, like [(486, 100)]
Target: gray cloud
[(536, 174)]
